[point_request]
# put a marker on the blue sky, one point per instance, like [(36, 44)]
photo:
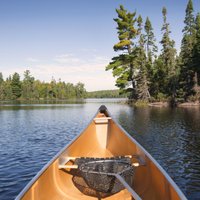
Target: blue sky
[(73, 39)]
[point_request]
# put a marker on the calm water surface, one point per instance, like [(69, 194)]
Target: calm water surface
[(30, 135)]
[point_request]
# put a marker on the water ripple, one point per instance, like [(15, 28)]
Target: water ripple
[(31, 136)]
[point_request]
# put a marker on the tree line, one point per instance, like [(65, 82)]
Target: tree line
[(12, 88), (106, 94), (143, 73)]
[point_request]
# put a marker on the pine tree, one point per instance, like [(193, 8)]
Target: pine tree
[(196, 50), (122, 65), (142, 76), (158, 76), (53, 89), (27, 85), (16, 86), (187, 45), (166, 42), (151, 48), (151, 51), (1, 78), (168, 56), (188, 33), (196, 59), (7, 89)]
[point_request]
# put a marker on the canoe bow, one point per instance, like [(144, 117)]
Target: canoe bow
[(102, 138)]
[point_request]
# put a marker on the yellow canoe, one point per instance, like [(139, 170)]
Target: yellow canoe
[(103, 139)]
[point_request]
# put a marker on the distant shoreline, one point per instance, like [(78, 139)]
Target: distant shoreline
[(162, 104), (35, 101), (166, 104), (159, 104), (60, 101)]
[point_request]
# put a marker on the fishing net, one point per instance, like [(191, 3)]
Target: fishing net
[(96, 176)]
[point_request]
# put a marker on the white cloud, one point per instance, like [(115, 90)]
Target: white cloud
[(71, 68), (67, 58), (104, 81), (30, 59)]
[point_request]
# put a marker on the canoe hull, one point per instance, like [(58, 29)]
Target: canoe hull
[(102, 139)]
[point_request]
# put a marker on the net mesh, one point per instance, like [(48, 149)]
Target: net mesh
[(96, 176)]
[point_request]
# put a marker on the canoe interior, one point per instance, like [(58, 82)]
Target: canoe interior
[(102, 139)]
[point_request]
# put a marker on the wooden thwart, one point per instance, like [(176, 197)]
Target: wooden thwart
[(64, 165)]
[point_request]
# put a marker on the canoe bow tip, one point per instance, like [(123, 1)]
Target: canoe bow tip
[(102, 109)]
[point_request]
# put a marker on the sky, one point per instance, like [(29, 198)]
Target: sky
[(73, 40)]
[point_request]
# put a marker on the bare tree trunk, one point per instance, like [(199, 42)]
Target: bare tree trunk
[(133, 95)]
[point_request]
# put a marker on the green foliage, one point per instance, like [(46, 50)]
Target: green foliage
[(106, 94), (16, 86), (168, 56), (30, 89), (141, 62), (141, 103), (7, 90), (187, 45), (133, 67), (151, 48), (196, 49), (168, 51), (161, 97), (1, 86), (27, 87), (1, 78), (158, 77), (124, 44), (143, 74), (122, 65), (189, 21), (126, 29), (80, 90)]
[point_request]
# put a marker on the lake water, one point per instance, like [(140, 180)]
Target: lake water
[(30, 135)]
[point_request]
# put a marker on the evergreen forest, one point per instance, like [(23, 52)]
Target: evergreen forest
[(142, 72), (12, 88), (145, 74)]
